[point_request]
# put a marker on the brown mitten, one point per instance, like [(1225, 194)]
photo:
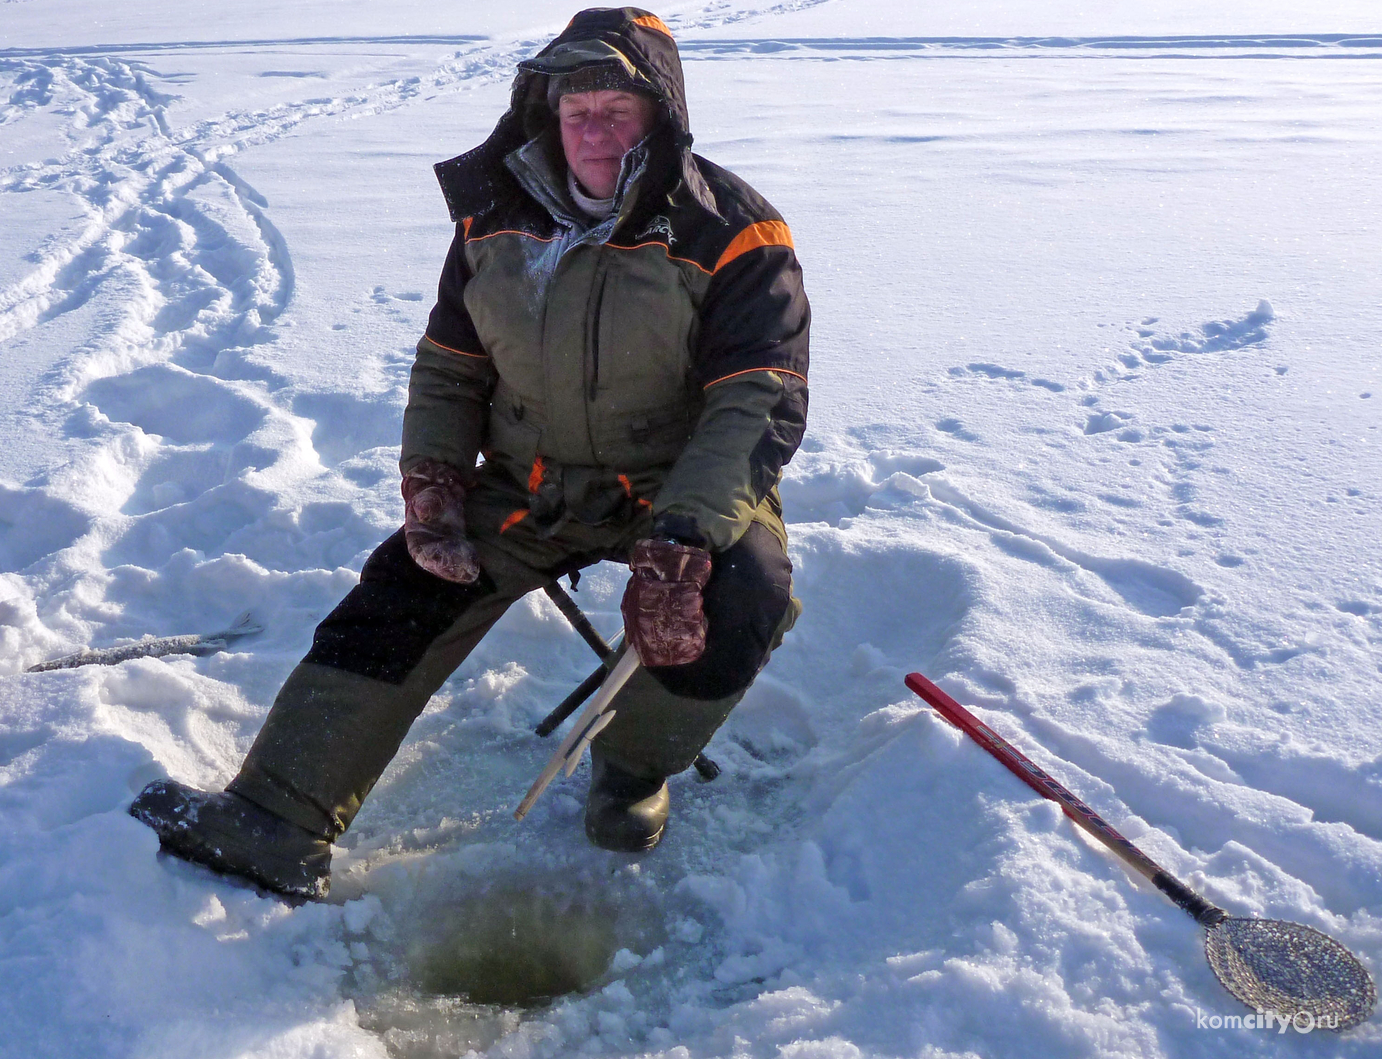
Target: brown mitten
[(434, 522), (664, 619)]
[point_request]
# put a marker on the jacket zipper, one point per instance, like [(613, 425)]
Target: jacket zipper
[(595, 338)]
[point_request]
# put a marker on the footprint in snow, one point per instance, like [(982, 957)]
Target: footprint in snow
[(955, 429), (1152, 346), (345, 425), (1216, 336), (34, 524), (177, 405), (1156, 591), (822, 488), (1102, 422), (1179, 721), (1359, 608), (997, 371)]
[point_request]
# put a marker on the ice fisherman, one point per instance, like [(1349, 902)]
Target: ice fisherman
[(621, 332)]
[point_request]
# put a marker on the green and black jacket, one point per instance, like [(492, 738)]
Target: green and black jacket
[(658, 358)]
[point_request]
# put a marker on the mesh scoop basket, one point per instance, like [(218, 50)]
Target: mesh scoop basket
[(1304, 976), (1295, 972)]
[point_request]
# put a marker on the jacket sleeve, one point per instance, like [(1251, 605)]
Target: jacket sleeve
[(452, 380), (751, 363)]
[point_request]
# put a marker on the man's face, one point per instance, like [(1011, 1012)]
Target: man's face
[(597, 129)]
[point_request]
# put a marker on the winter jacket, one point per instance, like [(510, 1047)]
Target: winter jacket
[(658, 358)]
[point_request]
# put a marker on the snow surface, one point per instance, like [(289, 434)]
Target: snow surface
[(1094, 443)]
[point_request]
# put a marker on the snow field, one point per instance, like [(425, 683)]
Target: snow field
[(1093, 443)]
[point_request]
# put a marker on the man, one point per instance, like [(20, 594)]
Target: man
[(621, 331)]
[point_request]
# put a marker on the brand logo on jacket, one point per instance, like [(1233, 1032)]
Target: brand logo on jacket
[(659, 225)]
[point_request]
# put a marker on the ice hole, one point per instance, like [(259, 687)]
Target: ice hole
[(515, 948), (461, 969)]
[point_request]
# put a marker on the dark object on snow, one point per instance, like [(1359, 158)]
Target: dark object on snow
[(1289, 970), (624, 813), (232, 835), (244, 625), (572, 702), (578, 620), (705, 767)]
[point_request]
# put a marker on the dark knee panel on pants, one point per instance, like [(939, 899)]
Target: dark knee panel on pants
[(386, 623), (748, 594)]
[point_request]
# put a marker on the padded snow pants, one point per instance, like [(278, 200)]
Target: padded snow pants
[(390, 644)]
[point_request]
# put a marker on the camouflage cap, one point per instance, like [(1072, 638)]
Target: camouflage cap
[(587, 66), (605, 77)]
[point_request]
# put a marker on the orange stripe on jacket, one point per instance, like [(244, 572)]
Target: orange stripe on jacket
[(535, 475), (507, 231), (514, 519), (764, 233), (652, 22), (750, 371), (663, 247), (458, 352)]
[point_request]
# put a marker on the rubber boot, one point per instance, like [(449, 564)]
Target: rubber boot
[(232, 835), (624, 813), (324, 744)]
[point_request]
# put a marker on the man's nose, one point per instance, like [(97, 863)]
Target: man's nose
[(596, 128)]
